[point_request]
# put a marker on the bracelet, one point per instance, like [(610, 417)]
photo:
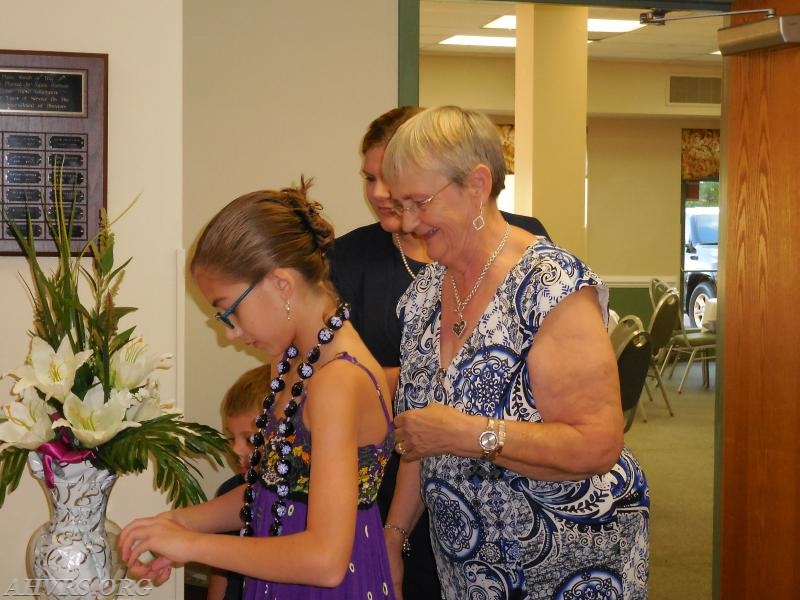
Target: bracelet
[(406, 549), (501, 435)]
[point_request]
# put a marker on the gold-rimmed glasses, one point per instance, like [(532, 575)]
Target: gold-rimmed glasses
[(414, 206)]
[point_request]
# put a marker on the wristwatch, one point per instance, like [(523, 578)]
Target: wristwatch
[(491, 440)]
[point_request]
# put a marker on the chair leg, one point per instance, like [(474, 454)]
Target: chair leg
[(642, 409), (664, 393), (674, 363), (647, 388), (686, 370), (666, 361)]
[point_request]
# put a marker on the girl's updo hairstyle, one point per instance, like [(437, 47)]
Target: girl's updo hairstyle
[(261, 231)]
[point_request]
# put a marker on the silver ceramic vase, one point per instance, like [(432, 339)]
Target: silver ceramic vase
[(74, 555)]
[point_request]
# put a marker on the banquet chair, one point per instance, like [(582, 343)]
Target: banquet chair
[(622, 331), (661, 327), (657, 290), (633, 362), (699, 345)]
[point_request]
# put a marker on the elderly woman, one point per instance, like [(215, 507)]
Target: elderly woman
[(508, 401)]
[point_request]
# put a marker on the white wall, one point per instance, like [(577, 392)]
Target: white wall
[(641, 88), (205, 102), (635, 195), (613, 87), (483, 83), (633, 146), (274, 90), (143, 41)]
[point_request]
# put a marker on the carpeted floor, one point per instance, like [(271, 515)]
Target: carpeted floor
[(677, 454)]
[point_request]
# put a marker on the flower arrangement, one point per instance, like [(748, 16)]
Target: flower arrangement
[(87, 390)]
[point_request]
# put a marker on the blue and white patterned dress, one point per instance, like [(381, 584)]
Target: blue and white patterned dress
[(496, 534)]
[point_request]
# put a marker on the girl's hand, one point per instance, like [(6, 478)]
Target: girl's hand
[(157, 570), (159, 536)]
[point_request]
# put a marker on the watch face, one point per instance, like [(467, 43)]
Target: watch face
[(489, 440)]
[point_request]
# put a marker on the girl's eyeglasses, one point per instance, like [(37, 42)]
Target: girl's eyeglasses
[(224, 316)]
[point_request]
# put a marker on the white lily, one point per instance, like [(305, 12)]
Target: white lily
[(147, 409), (131, 365), (51, 372), (25, 423), (147, 403), (93, 420)]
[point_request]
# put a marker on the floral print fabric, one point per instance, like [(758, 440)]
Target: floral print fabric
[(496, 534)]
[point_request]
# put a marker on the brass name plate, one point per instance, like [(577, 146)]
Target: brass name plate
[(53, 108)]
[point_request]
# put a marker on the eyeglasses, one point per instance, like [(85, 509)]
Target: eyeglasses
[(224, 316), (415, 206)]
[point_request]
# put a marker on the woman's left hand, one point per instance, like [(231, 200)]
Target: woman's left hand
[(428, 431)]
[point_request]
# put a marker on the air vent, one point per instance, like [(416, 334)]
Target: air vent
[(694, 90)]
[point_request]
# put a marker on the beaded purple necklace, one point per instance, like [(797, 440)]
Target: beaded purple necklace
[(280, 443)]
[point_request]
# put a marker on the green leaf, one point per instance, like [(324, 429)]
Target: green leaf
[(171, 444), (12, 465)]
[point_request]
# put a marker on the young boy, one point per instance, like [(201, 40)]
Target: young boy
[(240, 407)]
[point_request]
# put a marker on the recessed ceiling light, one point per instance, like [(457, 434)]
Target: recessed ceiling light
[(613, 25), (480, 40), (504, 22), (719, 52)]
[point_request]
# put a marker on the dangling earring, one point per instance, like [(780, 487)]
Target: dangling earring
[(288, 311), (478, 221)]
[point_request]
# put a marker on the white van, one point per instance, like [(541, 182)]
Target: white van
[(700, 260)]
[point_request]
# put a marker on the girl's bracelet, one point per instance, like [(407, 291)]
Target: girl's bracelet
[(406, 550)]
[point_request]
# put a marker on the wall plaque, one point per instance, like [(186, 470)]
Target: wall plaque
[(52, 126)]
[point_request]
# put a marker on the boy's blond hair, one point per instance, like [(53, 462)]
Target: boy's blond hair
[(247, 393)]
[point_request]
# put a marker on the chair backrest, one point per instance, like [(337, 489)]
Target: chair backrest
[(657, 290), (633, 362), (623, 330), (664, 319)]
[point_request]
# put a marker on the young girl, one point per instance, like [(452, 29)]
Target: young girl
[(310, 526)]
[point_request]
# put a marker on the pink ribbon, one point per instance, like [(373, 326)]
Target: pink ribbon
[(60, 451)]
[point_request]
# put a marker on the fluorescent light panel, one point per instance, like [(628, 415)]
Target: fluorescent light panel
[(480, 40), (510, 22), (594, 25), (504, 22), (613, 25)]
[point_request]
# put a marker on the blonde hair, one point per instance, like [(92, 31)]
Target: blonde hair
[(261, 231), (447, 139), (247, 393)]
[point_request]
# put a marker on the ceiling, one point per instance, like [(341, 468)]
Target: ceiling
[(680, 41)]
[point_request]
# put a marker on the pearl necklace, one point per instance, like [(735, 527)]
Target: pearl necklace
[(460, 326), (396, 238), (281, 444)]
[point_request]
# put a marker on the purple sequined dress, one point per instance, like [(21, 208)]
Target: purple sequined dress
[(368, 576)]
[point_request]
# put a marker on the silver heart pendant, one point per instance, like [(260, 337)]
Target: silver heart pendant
[(459, 327)]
